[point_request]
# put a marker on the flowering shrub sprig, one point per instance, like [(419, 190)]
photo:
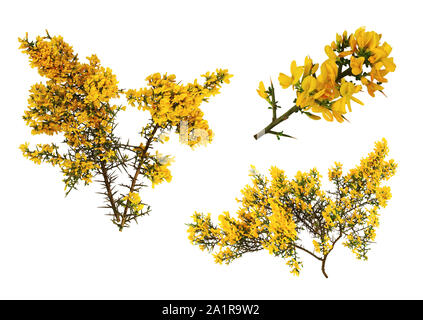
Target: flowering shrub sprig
[(328, 94), (275, 214), (76, 103)]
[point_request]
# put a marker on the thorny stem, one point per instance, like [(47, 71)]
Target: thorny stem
[(137, 172), (275, 122), (109, 191), (294, 109)]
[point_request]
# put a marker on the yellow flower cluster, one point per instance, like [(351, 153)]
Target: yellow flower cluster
[(202, 227), (76, 103), (159, 171), (328, 93), (275, 213), (171, 103), (134, 201)]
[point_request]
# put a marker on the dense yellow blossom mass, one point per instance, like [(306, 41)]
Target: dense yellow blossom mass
[(353, 61), (275, 213), (170, 102), (76, 103)]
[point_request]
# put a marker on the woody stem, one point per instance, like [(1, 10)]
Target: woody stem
[(286, 115), (275, 122), (342, 74), (109, 191), (137, 172), (309, 252), (323, 267)]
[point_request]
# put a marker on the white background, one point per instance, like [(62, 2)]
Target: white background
[(57, 247)]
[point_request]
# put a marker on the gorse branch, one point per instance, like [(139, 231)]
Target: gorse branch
[(275, 213), (329, 94), (76, 101)]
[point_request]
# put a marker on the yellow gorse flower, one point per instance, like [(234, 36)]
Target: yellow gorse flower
[(262, 90), (76, 101), (296, 73), (357, 65), (276, 212), (330, 53), (366, 39), (309, 67), (135, 202), (347, 90), (170, 102), (353, 59), (371, 86)]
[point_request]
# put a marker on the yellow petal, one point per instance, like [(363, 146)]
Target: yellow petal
[(293, 67), (329, 71), (387, 48), (364, 80), (301, 97), (309, 84), (317, 95), (389, 64), (330, 53), (345, 53), (308, 64), (339, 106), (297, 72), (357, 88), (378, 53), (356, 65), (313, 116), (284, 80), (261, 90), (314, 69), (344, 34), (316, 108), (359, 31), (353, 42), (337, 116), (349, 104), (356, 100), (327, 115)]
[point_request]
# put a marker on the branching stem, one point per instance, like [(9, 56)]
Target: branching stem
[(109, 191), (294, 109), (137, 172), (275, 122)]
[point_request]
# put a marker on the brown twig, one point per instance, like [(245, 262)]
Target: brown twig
[(109, 191), (137, 172)]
